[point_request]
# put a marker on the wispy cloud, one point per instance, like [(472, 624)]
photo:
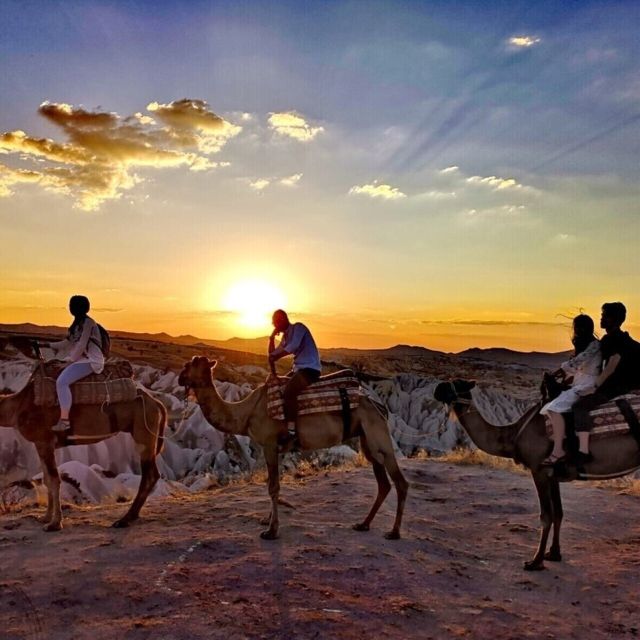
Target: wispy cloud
[(375, 190), (523, 41), (97, 162), (260, 184), (293, 125), (495, 183), (291, 181)]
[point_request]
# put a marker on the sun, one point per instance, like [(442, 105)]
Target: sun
[(253, 302)]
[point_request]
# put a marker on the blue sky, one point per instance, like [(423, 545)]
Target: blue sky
[(463, 162)]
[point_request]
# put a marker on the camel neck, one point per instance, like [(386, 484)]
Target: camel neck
[(10, 407), (228, 417), (495, 440)]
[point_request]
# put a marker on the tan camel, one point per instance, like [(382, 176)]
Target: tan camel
[(526, 441), (317, 431), (144, 418)]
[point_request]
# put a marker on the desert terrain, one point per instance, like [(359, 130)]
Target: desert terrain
[(195, 567)]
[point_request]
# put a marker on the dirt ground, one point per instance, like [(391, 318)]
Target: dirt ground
[(196, 567)]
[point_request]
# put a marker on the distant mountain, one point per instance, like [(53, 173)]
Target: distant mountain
[(399, 351), (535, 359)]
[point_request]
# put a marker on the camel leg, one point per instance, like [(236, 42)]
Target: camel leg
[(543, 487), (402, 488), (47, 483), (554, 554), (150, 475), (46, 452), (384, 486), (271, 458)]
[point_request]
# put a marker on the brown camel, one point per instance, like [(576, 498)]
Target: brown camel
[(144, 418), (527, 442), (317, 431)]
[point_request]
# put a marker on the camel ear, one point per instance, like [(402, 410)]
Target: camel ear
[(212, 364)]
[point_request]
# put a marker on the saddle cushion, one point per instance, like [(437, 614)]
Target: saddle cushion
[(609, 421), (114, 384), (320, 397)]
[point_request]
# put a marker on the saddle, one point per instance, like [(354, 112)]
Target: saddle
[(114, 384), (337, 391), (616, 417)]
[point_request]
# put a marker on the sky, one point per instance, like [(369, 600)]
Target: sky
[(445, 174)]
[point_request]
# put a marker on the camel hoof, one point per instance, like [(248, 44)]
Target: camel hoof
[(52, 526), (121, 524), (392, 535), (361, 526), (269, 535), (553, 556), (534, 565)]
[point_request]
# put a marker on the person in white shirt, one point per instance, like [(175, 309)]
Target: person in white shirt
[(298, 342), (82, 348), (585, 368)]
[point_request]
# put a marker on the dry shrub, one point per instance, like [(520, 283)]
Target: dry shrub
[(628, 486), (479, 457)]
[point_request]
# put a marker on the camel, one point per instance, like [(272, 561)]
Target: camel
[(526, 442), (316, 431), (144, 418)]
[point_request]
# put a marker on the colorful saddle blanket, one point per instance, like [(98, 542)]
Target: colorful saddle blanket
[(114, 384), (320, 397), (608, 420)]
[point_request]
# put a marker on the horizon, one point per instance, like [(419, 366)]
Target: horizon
[(389, 172)]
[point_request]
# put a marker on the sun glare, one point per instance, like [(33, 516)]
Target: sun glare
[(253, 302)]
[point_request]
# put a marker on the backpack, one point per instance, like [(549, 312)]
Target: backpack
[(105, 341)]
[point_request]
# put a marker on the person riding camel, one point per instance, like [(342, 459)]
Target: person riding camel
[(82, 349), (620, 373), (298, 342)]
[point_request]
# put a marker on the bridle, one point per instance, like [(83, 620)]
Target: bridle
[(467, 402)]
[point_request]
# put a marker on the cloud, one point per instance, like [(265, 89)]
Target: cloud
[(98, 161), (452, 169), (495, 183), (291, 181), (491, 323), (437, 195), (523, 41), (375, 190), (260, 184), (293, 125)]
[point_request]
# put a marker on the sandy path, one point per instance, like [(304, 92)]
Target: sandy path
[(195, 568)]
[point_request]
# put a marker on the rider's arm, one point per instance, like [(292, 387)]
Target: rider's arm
[(610, 367)]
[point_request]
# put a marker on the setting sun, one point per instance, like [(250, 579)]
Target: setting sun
[(253, 302)]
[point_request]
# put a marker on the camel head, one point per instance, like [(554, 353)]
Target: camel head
[(197, 372), (449, 392)]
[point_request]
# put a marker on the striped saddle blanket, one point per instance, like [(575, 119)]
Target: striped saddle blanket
[(320, 397), (608, 420), (114, 384)]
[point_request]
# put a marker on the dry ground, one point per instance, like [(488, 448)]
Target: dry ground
[(196, 568)]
